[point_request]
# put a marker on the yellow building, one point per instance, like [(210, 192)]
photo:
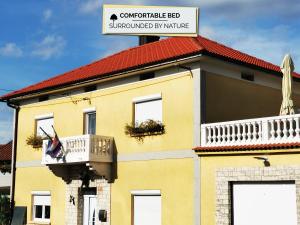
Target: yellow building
[(144, 139)]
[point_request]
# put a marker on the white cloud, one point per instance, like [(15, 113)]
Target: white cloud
[(11, 50), (47, 14), (89, 6), (269, 44), (50, 46)]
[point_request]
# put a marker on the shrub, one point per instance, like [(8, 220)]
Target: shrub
[(4, 210), (35, 141), (5, 167), (148, 127)]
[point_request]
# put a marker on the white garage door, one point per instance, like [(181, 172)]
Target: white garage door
[(264, 204), (147, 210)]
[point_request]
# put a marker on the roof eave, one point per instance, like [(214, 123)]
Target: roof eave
[(115, 75)]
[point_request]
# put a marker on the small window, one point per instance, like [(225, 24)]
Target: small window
[(247, 76), (90, 123), (90, 88), (148, 108), (41, 208), (147, 76), (46, 124), (43, 98), (146, 209)]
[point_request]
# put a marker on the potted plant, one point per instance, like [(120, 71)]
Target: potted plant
[(35, 141), (146, 128)]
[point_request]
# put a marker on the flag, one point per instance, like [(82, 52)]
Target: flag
[(54, 147)]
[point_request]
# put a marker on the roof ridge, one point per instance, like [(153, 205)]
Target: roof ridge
[(148, 54), (233, 49)]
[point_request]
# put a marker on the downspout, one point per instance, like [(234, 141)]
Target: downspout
[(14, 154)]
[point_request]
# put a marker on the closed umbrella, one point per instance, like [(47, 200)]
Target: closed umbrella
[(287, 68)]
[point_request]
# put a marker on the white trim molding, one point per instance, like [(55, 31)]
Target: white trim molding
[(44, 116), (156, 155), (33, 163), (88, 110), (145, 192), (40, 193), (147, 98)]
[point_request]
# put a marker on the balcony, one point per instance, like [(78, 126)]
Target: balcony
[(91, 152), (267, 130)]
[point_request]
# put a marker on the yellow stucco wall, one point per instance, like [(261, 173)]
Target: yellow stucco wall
[(232, 99), (40, 179), (209, 166), (174, 178), (114, 109)]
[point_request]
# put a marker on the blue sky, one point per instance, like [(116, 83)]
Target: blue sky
[(40, 39)]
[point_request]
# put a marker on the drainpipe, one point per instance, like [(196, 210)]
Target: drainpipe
[(14, 153)]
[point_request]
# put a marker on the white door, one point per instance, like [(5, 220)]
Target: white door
[(264, 204), (89, 210)]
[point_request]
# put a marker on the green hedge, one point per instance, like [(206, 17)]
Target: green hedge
[(4, 210)]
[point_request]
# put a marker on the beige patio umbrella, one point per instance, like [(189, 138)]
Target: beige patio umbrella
[(287, 68)]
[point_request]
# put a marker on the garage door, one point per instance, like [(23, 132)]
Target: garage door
[(264, 204)]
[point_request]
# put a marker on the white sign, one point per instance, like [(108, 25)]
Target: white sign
[(150, 20)]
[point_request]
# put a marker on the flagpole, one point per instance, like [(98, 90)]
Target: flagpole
[(62, 147), (49, 137)]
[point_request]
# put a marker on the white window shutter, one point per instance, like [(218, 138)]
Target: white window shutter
[(147, 210), (42, 200), (148, 110), (46, 125)]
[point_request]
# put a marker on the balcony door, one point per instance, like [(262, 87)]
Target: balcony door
[(89, 210)]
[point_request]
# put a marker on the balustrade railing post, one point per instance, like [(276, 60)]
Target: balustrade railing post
[(203, 136), (88, 146), (265, 131)]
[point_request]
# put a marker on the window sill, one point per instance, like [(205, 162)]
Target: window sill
[(147, 134), (39, 223)]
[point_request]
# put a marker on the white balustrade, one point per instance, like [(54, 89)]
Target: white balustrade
[(82, 149), (267, 130)]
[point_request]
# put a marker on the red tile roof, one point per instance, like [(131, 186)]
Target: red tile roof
[(146, 55), (247, 147), (6, 152)]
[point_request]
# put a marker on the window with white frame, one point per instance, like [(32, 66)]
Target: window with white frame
[(46, 123), (148, 107), (90, 122), (146, 207), (41, 207)]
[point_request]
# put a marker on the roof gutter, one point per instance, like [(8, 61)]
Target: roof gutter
[(14, 154), (163, 65)]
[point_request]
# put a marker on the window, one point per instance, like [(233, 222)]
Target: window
[(43, 98), (90, 122), (46, 123), (264, 203), (146, 108), (41, 207), (146, 208), (147, 76), (247, 76), (90, 88)]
